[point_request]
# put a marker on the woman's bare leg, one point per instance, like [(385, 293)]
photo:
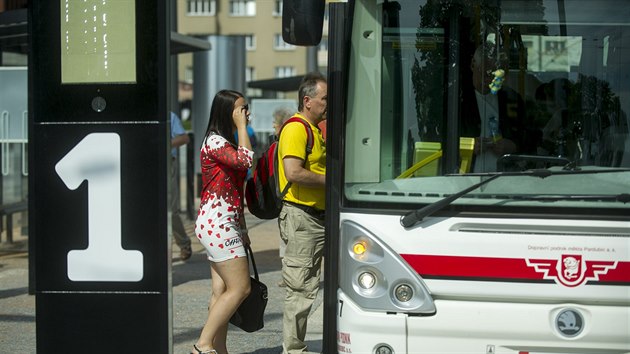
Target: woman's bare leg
[(218, 287), (232, 283)]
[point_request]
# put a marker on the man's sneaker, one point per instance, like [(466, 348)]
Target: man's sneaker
[(185, 253)]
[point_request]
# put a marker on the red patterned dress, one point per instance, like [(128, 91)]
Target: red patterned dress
[(223, 170)]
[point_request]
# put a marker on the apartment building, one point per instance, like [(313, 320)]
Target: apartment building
[(260, 21)]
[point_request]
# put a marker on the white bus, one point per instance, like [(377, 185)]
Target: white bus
[(466, 221)]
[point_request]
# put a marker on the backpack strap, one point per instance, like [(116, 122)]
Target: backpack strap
[(309, 145), (309, 133)]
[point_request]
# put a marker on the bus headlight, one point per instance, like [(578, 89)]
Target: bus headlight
[(367, 280), (359, 248), (403, 293), (377, 278)]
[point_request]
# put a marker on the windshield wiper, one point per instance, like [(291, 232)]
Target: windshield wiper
[(622, 198), (416, 216)]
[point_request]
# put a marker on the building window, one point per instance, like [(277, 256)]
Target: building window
[(250, 74), (242, 8), (250, 42), (280, 44), (284, 71), (277, 8), (188, 75), (201, 7)]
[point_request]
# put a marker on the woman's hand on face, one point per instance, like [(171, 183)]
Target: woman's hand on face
[(239, 115)]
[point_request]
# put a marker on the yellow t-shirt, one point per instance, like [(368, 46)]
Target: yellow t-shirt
[(293, 140)]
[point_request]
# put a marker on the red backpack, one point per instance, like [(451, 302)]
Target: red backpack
[(262, 191)]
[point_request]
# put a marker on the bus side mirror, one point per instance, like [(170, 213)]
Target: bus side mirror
[(302, 21)]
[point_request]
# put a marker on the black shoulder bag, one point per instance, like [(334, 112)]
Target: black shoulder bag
[(250, 314)]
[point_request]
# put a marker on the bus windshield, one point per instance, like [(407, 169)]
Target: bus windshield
[(442, 94)]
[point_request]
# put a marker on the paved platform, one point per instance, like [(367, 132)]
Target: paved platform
[(191, 292)]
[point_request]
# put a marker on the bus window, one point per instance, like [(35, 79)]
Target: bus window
[(465, 88)]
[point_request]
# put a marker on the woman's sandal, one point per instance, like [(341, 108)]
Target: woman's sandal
[(210, 351)]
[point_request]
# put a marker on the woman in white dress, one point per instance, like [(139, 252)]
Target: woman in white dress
[(220, 225)]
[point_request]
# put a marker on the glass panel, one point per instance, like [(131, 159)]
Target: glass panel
[(13, 134), (14, 141), (470, 88), (14, 172)]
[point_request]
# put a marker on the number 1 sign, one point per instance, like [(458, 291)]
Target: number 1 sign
[(96, 159)]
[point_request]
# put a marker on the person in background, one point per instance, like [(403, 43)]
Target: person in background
[(301, 219), (179, 137), (220, 225), (554, 96), (280, 115), (253, 140), (252, 136), (322, 127)]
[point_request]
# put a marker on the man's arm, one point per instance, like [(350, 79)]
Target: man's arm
[(296, 173), (180, 140)]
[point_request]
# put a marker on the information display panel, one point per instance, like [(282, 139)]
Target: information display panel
[(98, 41), (98, 60)]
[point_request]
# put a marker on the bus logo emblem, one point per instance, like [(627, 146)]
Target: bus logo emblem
[(571, 267), (569, 322), (571, 270)]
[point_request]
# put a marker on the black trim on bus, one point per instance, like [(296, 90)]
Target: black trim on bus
[(340, 24), (451, 122), (612, 283)]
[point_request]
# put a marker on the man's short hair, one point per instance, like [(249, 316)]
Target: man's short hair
[(308, 87)]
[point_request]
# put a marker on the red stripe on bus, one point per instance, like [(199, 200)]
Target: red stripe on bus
[(494, 268)]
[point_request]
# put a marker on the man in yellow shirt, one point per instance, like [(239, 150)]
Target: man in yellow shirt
[(301, 220)]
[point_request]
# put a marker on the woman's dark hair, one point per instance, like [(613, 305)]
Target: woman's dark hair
[(220, 120)]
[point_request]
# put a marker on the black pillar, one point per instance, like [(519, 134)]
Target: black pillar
[(98, 175)]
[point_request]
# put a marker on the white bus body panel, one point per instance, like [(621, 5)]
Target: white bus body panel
[(499, 286), (359, 331), (483, 327)]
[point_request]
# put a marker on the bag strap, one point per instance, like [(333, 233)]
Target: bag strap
[(309, 144), (309, 132), (250, 254)]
